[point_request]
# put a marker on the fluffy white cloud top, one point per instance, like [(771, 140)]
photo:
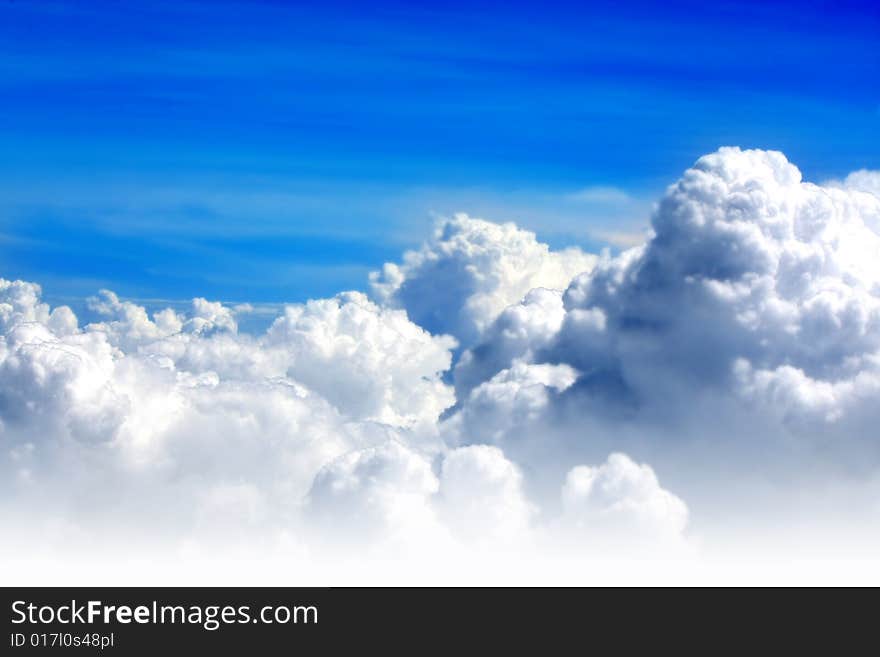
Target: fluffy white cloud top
[(751, 273), (162, 412), (622, 499), (757, 300), (379, 494), (470, 271), (741, 340), (863, 180), (481, 495)]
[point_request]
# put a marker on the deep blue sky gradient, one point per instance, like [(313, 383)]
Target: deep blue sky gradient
[(271, 151)]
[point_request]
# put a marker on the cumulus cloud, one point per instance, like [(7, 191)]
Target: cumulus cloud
[(511, 401), (380, 494), (742, 337), (481, 495), (750, 271), (621, 499), (179, 411), (128, 324), (518, 332), (470, 271), (371, 361), (863, 180), (325, 428)]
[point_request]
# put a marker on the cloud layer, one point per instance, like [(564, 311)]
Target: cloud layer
[(487, 393)]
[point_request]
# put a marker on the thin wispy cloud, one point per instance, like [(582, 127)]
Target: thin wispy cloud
[(600, 194), (622, 239)]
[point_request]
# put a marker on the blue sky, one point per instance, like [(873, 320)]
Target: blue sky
[(269, 151)]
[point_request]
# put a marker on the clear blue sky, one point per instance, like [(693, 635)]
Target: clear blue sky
[(271, 151)]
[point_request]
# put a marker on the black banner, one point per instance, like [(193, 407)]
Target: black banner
[(126, 621)]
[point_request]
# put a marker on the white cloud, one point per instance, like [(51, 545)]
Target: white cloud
[(469, 272), (741, 340), (621, 498), (511, 401), (380, 494), (863, 180), (371, 362), (748, 265), (175, 412), (518, 332), (201, 433), (128, 324), (57, 386), (481, 495), (20, 302)]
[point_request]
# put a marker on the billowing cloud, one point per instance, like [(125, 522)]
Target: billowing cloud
[(518, 332), (622, 499), (482, 496), (180, 410), (756, 288), (863, 180), (370, 361), (740, 342), (510, 401), (325, 428), (748, 265), (379, 494), (470, 271)]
